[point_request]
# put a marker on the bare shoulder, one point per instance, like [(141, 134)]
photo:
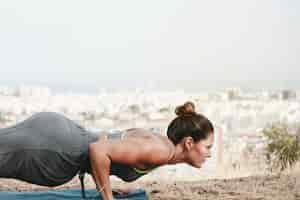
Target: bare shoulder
[(138, 147), (158, 146)]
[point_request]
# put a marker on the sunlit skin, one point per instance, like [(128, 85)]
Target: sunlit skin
[(144, 150), (193, 153), (200, 151)]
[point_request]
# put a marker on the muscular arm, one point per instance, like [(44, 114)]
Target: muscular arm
[(100, 163), (131, 151)]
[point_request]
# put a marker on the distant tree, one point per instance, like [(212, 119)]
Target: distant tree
[(3, 117), (164, 109), (283, 145), (88, 116), (134, 108)]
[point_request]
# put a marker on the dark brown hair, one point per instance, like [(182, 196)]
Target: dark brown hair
[(189, 123)]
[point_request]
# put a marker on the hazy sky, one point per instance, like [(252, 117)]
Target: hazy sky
[(117, 41)]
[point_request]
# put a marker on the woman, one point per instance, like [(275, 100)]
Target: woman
[(49, 149)]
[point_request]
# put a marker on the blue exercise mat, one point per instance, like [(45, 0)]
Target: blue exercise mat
[(71, 194)]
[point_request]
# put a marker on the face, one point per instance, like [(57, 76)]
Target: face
[(198, 152)]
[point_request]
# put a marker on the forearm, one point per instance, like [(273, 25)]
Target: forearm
[(101, 170)]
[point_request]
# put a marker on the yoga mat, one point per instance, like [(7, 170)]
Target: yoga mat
[(70, 194)]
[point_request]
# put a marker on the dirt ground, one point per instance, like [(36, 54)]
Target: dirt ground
[(275, 187)]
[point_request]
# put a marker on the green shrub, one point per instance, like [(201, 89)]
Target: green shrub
[(283, 148)]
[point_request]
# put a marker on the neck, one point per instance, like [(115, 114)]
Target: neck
[(178, 156)]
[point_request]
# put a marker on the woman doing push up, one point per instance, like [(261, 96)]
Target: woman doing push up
[(49, 149)]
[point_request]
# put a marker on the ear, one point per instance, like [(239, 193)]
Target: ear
[(188, 143)]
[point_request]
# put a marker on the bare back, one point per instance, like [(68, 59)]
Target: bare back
[(139, 148)]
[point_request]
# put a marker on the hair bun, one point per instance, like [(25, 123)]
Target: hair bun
[(188, 108)]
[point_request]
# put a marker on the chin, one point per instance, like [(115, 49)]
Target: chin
[(198, 165)]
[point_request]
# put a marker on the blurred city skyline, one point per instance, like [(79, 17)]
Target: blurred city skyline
[(189, 86)]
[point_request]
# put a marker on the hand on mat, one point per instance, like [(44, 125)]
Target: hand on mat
[(124, 191)]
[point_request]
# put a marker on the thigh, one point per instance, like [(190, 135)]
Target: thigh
[(41, 167)]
